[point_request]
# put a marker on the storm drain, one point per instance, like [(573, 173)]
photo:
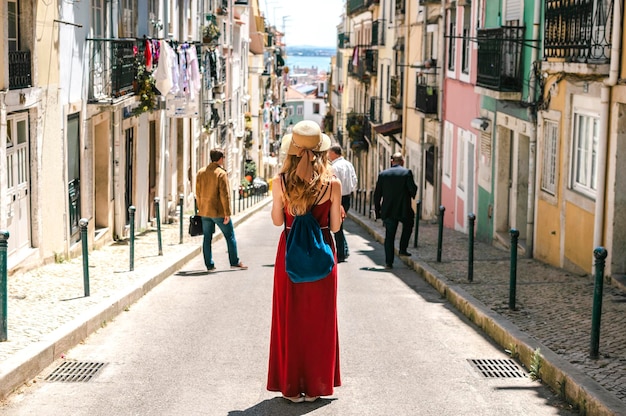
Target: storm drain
[(497, 368), (75, 371)]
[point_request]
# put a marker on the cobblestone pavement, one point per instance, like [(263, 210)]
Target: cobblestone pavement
[(553, 306)]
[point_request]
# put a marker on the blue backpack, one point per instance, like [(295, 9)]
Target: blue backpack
[(307, 256)]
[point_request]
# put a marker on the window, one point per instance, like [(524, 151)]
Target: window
[(316, 108), (153, 15), (466, 51), (452, 41), (460, 161), (447, 154), (300, 110), (129, 18), (550, 153), (13, 26), (585, 152)]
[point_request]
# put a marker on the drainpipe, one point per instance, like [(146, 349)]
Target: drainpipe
[(532, 151), (442, 62), (605, 99), (422, 178)]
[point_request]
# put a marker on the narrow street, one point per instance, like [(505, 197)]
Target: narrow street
[(197, 344)]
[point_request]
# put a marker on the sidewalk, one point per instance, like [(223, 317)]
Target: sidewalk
[(552, 316), (48, 313)]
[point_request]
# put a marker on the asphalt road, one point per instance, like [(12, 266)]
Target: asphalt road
[(197, 344)]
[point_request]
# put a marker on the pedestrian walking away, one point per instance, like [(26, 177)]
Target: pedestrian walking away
[(344, 171), (304, 340), (395, 188), (213, 200)]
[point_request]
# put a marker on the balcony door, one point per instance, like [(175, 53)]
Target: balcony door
[(98, 50), (73, 175), (18, 192)]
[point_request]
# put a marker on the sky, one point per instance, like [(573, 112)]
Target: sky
[(305, 23)]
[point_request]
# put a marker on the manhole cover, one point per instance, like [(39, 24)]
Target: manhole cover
[(497, 368), (75, 371)]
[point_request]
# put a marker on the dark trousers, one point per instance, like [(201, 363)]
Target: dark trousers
[(391, 226), (340, 239)]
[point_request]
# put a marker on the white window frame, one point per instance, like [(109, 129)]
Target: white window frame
[(447, 154), (300, 110), (461, 161), (466, 43), (13, 24), (452, 40), (550, 171), (584, 152)]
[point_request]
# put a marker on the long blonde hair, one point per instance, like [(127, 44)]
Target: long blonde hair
[(300, 195)]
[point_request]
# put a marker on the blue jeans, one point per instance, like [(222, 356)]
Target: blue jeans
[(208, 228), (340, 239), (391, 226)]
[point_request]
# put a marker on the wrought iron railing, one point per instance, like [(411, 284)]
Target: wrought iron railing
[(19, 70), (376, 110), (578, 30), (112, 68), (500, 58), (378, 32)]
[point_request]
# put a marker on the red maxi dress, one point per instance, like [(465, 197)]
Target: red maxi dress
[(304, 346)]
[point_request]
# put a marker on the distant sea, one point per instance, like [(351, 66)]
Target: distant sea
[(321, 62)]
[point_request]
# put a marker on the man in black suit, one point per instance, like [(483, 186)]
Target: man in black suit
[(395, 187)]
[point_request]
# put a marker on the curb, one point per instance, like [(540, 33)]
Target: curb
[(569, 382), (28, 363)]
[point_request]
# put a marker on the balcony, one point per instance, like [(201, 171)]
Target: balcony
[(19, 70), (112, 68), (376, 110), (500, 59), (363, 63), (578, 30), (426, 98), (357, 6), (395, 91), (378, 32), (371, 61), (343, 40)]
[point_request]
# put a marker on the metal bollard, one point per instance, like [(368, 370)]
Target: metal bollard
[(83, 224), (4, 293), (371, 203), (239, 201), (513, 270), (234, 202), (442, 211), (470, 258), (600, 254), (131, 211), (418, 213), (181, 199), (158, 219)]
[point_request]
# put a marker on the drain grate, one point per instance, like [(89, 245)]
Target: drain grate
[(497, 368), (75, 371)]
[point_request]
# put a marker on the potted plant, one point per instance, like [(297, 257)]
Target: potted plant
[(210, 33)]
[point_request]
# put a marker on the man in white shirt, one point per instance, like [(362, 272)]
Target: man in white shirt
[(344, 171)]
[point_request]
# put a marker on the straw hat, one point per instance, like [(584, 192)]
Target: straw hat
[(305, 135)]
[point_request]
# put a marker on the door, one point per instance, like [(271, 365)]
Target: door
[(128, 187), (18, 185), (73, 175)]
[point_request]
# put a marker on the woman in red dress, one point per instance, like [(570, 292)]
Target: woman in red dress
[(304, 347)]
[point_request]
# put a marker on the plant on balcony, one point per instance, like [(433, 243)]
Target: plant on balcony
[(210, 33), (355, 124), (145, 87)]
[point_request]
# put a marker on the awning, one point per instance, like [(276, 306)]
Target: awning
[(389, 129)]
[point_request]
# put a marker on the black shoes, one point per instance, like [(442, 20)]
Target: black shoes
[(404, 253), (388, 266)]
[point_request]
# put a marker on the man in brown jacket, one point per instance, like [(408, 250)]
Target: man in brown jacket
[(213, 201)]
